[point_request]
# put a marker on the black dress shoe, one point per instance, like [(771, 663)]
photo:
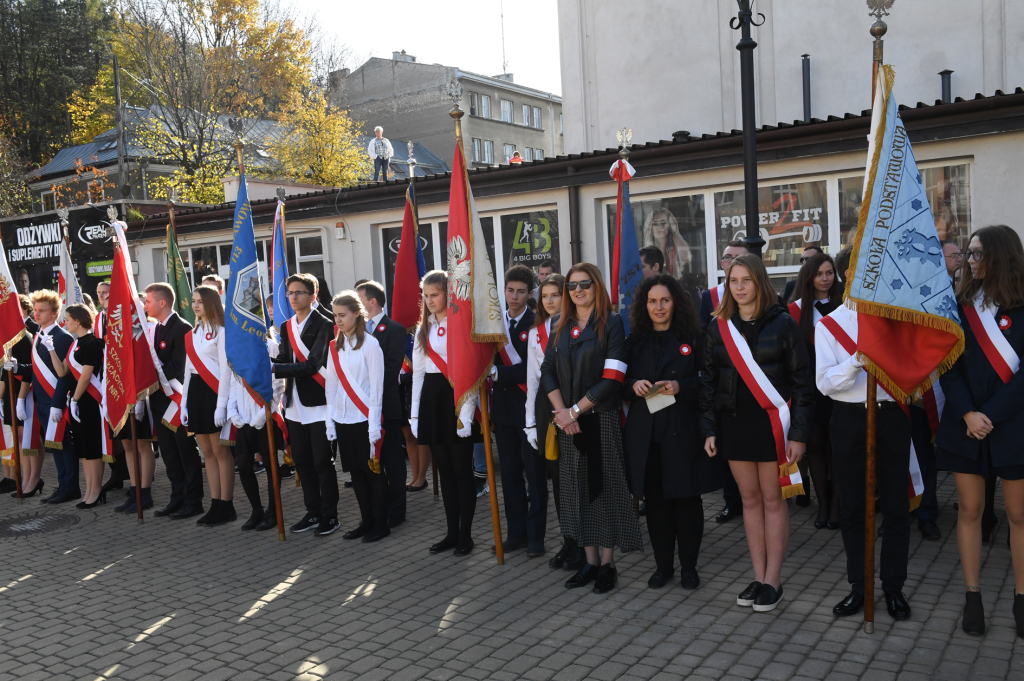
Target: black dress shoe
[(167, 510), (375, 535), (396, 522), (585, 575), (269, 520), (254, 520), (444, 545), (46, 500), (803, 500), (348, 484), (575, 559), (819, 524), (974, 614), (416, 488), (509, 545), (660, 578), (929, 530), (65, 496), (356, 533), (850, 605), (897, 605), (8, 485), (558, 560), (749, 595), (38, 489), (728, 513), (606, 578), (463, 549), (832, 525), (186, 512), (690, 580)]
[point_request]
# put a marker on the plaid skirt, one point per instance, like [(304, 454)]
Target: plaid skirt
[(610, 521)]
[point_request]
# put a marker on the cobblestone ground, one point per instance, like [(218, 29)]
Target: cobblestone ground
[(108, 599)]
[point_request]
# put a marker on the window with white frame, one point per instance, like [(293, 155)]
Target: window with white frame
[(538, 154), (488, 151), (476, 150), (677, 226), (536, 117), (202, 260), (506, 111), (527, 154), (509, 150), (49, 200), (526, 115), (473, 111), (485, 106)]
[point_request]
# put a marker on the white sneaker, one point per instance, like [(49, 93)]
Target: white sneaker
[(483, 490)]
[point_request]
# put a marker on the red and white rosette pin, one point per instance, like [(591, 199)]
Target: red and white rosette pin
[(685, 349), (442, 331), (523, 336), (575, 332), (1005, 323), (381, 328)]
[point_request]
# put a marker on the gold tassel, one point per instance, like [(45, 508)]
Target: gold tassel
[(374, 465), (915, 502)]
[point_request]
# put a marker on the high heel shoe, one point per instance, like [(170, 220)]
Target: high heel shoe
[(101, 499), (34, 491)]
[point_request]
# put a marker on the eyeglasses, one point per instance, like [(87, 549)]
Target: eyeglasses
[(955, 256), (585, 284), (728, 258), (803, 260), (974, 255), (296, 294)]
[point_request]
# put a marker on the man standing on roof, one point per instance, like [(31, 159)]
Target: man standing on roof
[(380, 151)]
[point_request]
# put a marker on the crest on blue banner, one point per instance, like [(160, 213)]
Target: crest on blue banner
[(245, 315)]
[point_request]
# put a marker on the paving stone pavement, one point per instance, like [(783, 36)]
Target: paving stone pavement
[(109, 599)]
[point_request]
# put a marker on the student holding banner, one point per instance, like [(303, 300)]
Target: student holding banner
[(983, 420), (434, 421), (302, 362), (204, 411), (31, 466), (355, 388), (757, 401)]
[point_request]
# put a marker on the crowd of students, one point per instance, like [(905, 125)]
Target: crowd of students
[(730, 391)]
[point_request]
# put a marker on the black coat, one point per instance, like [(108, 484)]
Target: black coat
[(686, 468), (391, 336), (781, 353), (316, 335), (508, 400), (169, 341), (582, 371), (973, 385)]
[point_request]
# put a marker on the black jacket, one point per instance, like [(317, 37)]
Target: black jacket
[(781, 353), (583, 371), (169, 343), (973, 385), (391, 336), (686, 468), (62, 342), (508, 400), (316, 335)]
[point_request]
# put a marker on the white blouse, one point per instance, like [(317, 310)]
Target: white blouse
[(209, 345), (243, 403), (363, 367), (422, 364), (534, 358)]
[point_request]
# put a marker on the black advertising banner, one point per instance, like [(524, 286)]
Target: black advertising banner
[(530, 238), (32, 245), (392, 238)]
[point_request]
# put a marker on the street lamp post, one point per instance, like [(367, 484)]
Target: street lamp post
[(742, 22)]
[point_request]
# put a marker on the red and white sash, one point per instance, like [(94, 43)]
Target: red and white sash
[(97, 325), (210, 376), (508, 353), (915, 483), (95, 390), (358, 397), (795, 308), (31, 438), (769, 399), (542, 334), (716, 294), (172, 415), (301, 351), (436, 358), (43, 374), (998, 351)]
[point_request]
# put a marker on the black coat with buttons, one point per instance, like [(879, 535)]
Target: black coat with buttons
[(687, 470)]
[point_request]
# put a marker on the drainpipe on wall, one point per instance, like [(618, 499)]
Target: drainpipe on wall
[(947, 90), (807, 87), (574, 222)]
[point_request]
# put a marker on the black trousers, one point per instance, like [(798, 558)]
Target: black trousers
[(892, 467), (671, 521), (922, 435), (184, 467), (458, 487), (371, 488), (393, 461), (249, 442), (526, 498), (311, 451)]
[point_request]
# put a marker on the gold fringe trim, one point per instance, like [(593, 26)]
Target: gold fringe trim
[(227, 443), (120, 423), (474, 390), (48, 444), (915, 502), (174, 429), (107, 458), (14, 341), (30, 452), (792, 490), (146, 392)]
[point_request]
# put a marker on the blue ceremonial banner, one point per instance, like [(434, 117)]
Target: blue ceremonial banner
[(909, 330), (627, 272), (278, 265), (245, 314)]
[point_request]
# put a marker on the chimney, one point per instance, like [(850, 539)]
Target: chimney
[(402, 56), (507, 77), (807, 87), (947, 90)]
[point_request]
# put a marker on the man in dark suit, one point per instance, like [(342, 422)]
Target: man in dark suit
[(305, 340), (177, 449), (391, 336), (526, 502), (21, 353)]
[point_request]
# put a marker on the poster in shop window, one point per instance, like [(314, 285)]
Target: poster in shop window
[(529, 239)]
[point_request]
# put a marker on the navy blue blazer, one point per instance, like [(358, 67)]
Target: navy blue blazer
[(508, 400), (973, 385), (62, 342), (706, 309)]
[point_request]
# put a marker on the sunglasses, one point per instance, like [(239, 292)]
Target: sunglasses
[(974, 255), (585, 284)]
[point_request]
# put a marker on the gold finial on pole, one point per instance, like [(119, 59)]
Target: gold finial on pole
[(454, 92)]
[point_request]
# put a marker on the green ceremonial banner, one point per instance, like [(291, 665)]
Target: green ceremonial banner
[(178, 280)]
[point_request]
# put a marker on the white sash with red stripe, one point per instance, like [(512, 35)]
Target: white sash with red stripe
[(31, 438), (172, 415), (95, 389), (358, 397), (716, 294), (39, 369), (769, 399), (998, 351), (97, 325), (211, 376), (508, 353), (436, 358), (301, 351)]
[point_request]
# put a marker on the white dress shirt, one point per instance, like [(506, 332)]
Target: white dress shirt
[(363, 367), (422, 364), (837, 373), (211, 350), (534, 358), (296, 410), (240, 400), (371, 325), (371, 148)]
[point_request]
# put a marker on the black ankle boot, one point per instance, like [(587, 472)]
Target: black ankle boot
[(974, 614), (254, 519), (129, 504), (269, 520), (212, 513), (225, 513), (147, 498)]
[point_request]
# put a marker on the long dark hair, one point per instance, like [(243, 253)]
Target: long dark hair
[(1002, 262), (684, 319), (552, 280), (602, 303), (805, 292)]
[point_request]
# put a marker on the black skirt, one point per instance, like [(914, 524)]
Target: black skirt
[(438, 423), (746, 435), (946, 460), (201, 403), (143, 429), (88, 430)]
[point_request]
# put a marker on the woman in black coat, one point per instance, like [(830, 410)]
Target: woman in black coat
[(665, 459), (737, 423), (982, 421)]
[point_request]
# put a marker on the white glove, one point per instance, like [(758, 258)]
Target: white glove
[(374, 437), (414, 424), (11, 364), (855, 361), (47, 342), (235, 417), (259, 420), (220, 417), (73, 408), (464, 430), (184, 413), (20, 410), (531, 436), (55, 414), (332, 434), (140, 410)]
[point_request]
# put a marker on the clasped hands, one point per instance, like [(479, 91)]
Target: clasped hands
[(978, 425), (643, 387), (565, 421)]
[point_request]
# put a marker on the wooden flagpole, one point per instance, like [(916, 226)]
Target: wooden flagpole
[(485, 423), (14, 432)]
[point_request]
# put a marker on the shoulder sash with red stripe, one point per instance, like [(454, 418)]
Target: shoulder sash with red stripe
[(716, 294), (42, 372), (542, 334), (210, 375), (95, 387), (436, 358), (509, 355), (302, 352), (998, 351), (356, 394)]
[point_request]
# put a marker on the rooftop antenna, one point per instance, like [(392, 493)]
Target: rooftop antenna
[(504, 62)]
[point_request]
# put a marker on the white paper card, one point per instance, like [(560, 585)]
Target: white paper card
[(659, 401)]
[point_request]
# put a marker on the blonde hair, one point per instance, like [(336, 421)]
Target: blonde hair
[(766, 295), (431, 278), (47, 296), (350, 299)]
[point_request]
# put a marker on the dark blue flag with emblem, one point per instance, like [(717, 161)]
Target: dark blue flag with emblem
[(245, 314)]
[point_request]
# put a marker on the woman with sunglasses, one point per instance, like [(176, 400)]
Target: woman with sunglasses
[(582, 374), (668, 467), (983, 419), (756, 380)]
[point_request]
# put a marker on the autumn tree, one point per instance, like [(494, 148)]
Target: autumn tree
[(15, 197)]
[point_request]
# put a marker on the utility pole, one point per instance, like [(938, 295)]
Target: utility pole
[(742, 22), (122, 180)]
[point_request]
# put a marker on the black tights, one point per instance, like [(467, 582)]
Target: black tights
[(671, 521), (248, 443), (458, 488), (371, 488), (819, 461)]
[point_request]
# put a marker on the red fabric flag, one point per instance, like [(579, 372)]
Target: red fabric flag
[(12, 323), (475, 320), (120, 366), (406, 297)]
